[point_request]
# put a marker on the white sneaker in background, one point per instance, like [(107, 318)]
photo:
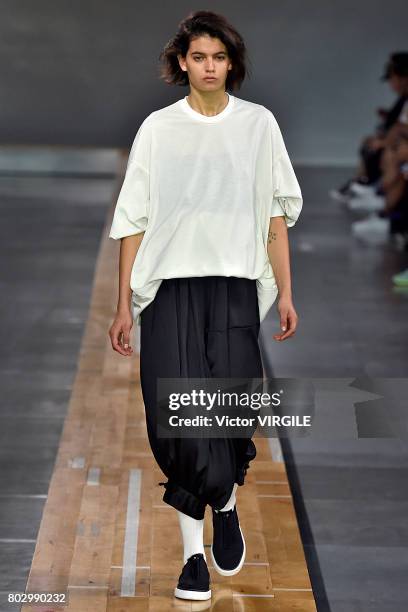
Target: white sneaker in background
[(372, 230), (339, 196), (366, 203), (361, 189)]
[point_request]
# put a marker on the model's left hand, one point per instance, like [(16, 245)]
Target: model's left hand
[(288, 319)]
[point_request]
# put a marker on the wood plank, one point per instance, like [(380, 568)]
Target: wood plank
[(83, 531)]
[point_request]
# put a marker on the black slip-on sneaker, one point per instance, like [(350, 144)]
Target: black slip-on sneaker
[(228, 547), (194, 580)]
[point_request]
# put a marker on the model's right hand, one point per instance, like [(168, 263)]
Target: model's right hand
[(119, 333)]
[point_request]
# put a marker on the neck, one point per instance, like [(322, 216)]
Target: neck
[(208, 103)]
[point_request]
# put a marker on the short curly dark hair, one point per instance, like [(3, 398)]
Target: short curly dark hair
[(197, 24)]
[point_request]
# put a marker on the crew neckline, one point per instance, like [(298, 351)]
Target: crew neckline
[(208, 119)]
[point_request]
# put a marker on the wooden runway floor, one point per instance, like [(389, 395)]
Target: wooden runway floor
[(106, 537)]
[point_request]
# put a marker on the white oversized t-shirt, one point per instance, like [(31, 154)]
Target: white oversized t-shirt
[(203, 190)]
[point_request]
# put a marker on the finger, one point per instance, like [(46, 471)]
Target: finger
[(287, 326), (277, 337), (284, 322), (287, 334), (116, 345), (126, 340), (118, 348), (291, 330)]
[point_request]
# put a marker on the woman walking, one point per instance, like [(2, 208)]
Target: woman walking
[(202, 216)]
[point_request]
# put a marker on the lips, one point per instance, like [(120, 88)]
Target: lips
[(210, 79)]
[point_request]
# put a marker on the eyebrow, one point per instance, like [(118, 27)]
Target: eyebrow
[(201, 53)]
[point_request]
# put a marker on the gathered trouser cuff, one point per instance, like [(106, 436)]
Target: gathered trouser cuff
[(188, 503), (183, 500)]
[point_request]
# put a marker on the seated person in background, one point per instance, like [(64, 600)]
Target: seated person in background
[(399, 127), (392, 218), (401, 279), (371, 150), (376, 200), (394, 182)]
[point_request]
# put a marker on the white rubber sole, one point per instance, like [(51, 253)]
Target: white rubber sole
[(360, 189), (195, 595), (366, 205), (338, 197), (236, 569)]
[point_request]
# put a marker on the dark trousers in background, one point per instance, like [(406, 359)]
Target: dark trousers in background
[(372, 162), (199, 327)]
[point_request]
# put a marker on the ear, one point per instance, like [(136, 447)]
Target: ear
[(182, 62)]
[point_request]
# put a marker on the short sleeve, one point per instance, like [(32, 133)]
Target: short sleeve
[(277, 209), (287, 199), (132, 206)]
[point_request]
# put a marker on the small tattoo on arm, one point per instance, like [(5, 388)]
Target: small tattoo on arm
[(271, 236)]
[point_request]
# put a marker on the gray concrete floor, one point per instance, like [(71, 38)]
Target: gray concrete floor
[(50, 230), (350, 494)]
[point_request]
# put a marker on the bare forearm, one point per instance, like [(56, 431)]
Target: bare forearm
[(129, 247), (390, 169), (394, 133), (278, 253)]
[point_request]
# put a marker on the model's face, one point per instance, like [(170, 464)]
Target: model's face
[(206, 57)]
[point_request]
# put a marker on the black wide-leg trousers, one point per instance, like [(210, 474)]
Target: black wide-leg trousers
[(199, 327)]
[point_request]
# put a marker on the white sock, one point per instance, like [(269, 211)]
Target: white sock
[(232, 500), (192, 531)]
